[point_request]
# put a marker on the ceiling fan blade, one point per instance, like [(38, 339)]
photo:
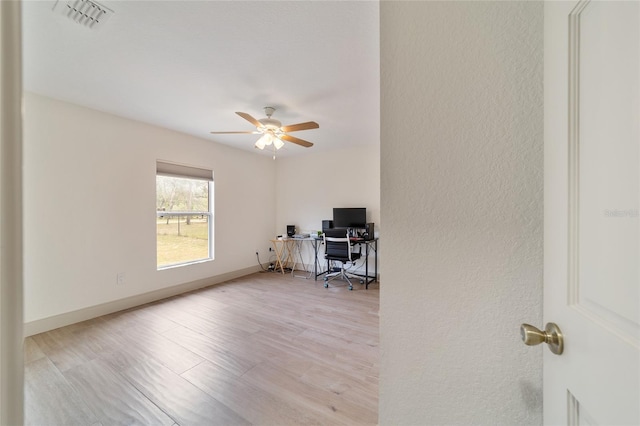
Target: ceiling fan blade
[(229, 133), (297, 141), (250, 119), (300, 126)]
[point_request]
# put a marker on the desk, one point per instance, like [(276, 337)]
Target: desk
[(289, 255), (369, 245), (284, 253)]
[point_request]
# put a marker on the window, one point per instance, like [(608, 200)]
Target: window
[(184, 220)]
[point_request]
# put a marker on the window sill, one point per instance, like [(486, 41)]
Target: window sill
[(179, 265)]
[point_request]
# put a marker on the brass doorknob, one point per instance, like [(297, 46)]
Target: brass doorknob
[(551, 335)]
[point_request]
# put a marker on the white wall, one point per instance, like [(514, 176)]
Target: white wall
[(310, 186), (89, 206), (461, 176)]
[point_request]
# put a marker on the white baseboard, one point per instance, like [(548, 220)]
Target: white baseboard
[(61, 320)]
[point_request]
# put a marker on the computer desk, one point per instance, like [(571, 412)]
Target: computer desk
[(369, 245)]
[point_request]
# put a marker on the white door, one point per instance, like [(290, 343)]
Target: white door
[(591, 257)]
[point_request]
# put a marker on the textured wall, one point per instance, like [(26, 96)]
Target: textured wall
[(461, 191)]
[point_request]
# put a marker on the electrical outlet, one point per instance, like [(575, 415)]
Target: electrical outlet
[(120, 277), (270, 248)]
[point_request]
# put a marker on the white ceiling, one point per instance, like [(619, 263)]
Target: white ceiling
[(189, 65)]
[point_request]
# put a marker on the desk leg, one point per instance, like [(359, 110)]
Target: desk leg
[(375, 247), (290, 262), (298, 244), (366, 266), (315, 260), (296, 249), (279, 249), (316, 263), (369, 279)]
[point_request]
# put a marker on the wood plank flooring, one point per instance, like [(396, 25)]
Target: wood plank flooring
[(266, 349)]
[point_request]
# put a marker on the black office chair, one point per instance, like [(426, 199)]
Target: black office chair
[(337, 247)]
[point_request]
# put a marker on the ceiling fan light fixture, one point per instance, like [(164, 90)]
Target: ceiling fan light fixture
[(277, 143), (262, 142), (268, 139)]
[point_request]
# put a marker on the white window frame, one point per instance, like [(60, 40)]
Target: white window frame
[(165, 168)]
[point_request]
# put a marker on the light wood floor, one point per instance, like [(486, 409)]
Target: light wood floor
[(266, 349)]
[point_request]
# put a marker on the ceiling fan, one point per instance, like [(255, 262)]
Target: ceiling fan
[(273, 132)]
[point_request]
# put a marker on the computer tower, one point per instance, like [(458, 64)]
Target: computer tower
[(291, 230), (327, 224), (369, 232)]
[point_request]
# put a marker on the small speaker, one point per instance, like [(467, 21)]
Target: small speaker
[(327, 224), (291, 230), (369, 232)]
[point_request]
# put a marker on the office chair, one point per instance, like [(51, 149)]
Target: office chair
[(337, 247)]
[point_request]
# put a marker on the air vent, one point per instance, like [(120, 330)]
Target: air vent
[(86, 13)]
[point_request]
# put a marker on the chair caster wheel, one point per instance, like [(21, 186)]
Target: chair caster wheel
[(326, 285), (350, 288), (361, 281)]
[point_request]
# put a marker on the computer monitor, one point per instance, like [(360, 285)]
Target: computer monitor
[(352, 217)]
